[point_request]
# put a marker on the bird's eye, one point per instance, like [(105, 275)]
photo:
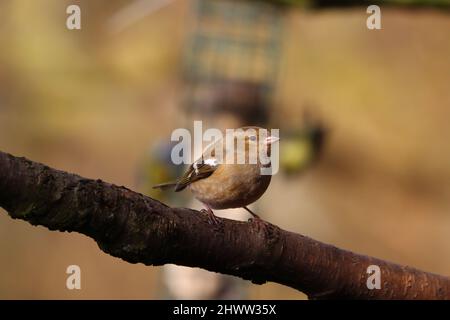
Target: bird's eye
[(252, 138)]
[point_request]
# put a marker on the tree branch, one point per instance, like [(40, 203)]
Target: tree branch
[(136, 228)]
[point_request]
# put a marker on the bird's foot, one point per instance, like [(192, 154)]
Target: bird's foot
[(260, 223), (212, 218)]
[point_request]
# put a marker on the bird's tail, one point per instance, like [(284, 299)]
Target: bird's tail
[(164, 186)]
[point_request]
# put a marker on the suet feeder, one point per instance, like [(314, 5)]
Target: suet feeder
[(231, 59)]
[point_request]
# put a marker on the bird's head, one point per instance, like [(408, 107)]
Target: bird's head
[(253, 138)]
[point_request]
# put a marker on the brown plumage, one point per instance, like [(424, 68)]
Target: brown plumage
[(223, 185)]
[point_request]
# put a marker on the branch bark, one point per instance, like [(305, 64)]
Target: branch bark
[(139, 229)]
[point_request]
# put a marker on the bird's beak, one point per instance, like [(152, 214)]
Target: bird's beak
[(271, 139)]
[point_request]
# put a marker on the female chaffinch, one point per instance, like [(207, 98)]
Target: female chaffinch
[(225, 177)]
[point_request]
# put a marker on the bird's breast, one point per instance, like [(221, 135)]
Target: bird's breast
[(231, 186)]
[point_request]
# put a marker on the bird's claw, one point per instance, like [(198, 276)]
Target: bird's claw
[(212, 218), (259, 223)]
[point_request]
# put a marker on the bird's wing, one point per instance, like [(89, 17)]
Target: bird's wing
[(200, 169)]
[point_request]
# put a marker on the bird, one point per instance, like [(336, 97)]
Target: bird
[(227, 177)]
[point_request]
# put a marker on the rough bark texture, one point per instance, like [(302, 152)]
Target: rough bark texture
[(136, 228)]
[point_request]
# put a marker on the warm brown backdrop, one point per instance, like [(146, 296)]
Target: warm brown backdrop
[(92, 102)]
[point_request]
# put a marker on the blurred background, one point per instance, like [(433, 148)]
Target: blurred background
[(363, 115)]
